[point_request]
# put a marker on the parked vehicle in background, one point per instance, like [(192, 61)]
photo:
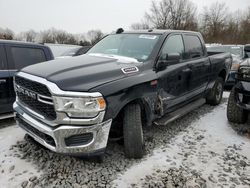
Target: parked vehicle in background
[(59, 49), (80, 50), (138, 78), (14, 56), (238, 106), (238, 55), (247, 50)]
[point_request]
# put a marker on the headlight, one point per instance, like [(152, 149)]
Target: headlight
[(245, 72), (235, 66), (79, 107)]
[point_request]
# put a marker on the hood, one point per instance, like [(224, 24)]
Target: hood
[(246, 63), (81, 73)]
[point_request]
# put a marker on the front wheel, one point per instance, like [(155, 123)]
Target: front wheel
[(132, 131), (215, 95), (235, 114)]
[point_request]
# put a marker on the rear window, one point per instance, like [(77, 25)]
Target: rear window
[(193, 47), (23, 57)]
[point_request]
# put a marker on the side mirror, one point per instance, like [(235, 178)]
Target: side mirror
[(166, 59), (173, 58)]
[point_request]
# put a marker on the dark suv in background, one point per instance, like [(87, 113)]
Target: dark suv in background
[(14, 56), (239, 54)]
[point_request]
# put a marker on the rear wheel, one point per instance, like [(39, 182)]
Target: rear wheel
[(132, 131), (235, 114), (215, 95)]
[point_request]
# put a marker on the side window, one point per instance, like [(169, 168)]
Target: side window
[(2, 59), (193, 47), (174, 44), (23, 56)]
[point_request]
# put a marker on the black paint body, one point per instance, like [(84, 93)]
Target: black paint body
[(158, 91), (242, 88)]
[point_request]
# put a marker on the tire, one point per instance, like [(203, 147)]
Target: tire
[(215, 95), (132, 132), (235, 114)]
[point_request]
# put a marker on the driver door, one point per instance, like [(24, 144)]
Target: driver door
[(174, 79)]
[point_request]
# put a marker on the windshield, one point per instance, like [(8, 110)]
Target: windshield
[(137, 46), (235, 50)]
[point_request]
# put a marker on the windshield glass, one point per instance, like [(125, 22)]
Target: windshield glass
[(235, 50), (137, 46)]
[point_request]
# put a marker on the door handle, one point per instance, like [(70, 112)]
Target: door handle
[(2, 81)]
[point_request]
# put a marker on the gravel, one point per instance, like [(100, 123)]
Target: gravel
[(65, 171), (186, 176), (174, 177), (59, 170)]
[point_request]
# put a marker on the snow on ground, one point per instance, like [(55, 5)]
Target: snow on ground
[(12, 169), (207, 148), (204, 148)]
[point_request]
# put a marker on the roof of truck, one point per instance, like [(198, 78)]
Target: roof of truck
[(19, 42), (158, 31)]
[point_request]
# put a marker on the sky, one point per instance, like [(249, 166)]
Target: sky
[(79, 16)]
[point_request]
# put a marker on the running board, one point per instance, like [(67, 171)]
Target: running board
[(6, 116), (180, 112)]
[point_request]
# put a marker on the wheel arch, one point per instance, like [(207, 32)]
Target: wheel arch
[(146, 109), (223, 74)]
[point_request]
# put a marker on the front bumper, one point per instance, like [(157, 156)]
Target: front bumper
[(67, 139), (242, 94)]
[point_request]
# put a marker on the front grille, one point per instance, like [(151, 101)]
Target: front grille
[(240, 77), (80, 139), (33, 86), (44, 109), (48, 139)]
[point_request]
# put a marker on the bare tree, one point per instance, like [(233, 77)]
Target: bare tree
[(58, 36), (94, 36), (214, 21), (61, 37), (82, 40), (232, 30), (6, 34), (172, 14), (139, 26), (245, 28), (47, 36), (30, 35)]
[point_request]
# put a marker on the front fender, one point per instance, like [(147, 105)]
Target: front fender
[(145, 94)]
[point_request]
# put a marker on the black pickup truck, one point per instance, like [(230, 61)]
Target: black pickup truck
[(15, 55), (125, 81)]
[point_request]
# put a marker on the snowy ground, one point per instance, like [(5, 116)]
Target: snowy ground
[(13, 170), (204, 148), (201, 149)]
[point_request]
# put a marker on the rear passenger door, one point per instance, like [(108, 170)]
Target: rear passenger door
[(199, 64), (5, 105), (20, 57)]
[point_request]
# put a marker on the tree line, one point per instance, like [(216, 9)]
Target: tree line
[(53, 35), (216, 23)]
